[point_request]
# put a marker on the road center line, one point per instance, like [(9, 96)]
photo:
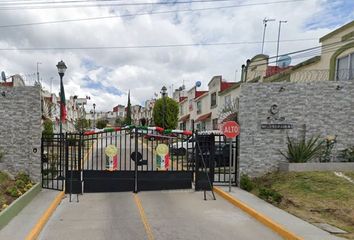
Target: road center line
[(143, 217)]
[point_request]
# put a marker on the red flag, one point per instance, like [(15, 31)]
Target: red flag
[(62, 102)]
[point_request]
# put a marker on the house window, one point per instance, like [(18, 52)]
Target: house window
[(213, 100), (227, 100), (198, 126), (199, 107), (203, 126), (215, 124), (190, 105), (182, 126), (181, 110), (345, 68)]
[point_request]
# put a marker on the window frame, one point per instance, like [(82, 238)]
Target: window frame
[(350, 74), (199, 107), (215, 124), (214, 103)]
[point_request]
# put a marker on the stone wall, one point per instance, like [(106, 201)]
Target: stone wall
[(317, 108), (20, 130)]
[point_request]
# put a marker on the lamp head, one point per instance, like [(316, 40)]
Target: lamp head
[(61, 67)]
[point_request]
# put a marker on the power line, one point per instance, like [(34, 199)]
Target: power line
[(146, 46), (26, 3), (321, 48), (151, 13), (327, 48)]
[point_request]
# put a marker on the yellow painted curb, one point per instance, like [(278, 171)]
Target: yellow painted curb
[(259, 216), (33, 234)]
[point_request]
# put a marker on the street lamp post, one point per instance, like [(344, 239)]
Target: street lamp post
[(61, 70), (163, 93), (94, 115)]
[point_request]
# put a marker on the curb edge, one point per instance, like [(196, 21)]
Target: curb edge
[(279, 229)]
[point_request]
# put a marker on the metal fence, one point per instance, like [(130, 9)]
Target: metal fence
[(82, 160)]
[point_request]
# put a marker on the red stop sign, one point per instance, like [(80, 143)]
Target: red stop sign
[(230, 129)]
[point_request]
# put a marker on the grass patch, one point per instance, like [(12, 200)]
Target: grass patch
[(11, 189), (313, 196)]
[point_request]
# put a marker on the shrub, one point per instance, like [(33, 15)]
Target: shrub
[(13, 192), (347, 155), (20, 184), (303, 151), (23, 177), (48, 129), (246, 183), (270, 195)]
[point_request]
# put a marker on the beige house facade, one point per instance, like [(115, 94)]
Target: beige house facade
[(334, 63)]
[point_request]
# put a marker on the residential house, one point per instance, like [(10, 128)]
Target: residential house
[(334, 63), (205, 110)]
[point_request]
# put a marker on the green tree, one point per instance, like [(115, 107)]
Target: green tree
[(101, 123), (171, 113), (48, 128), (81, 124), (128, 117), (118, 122)]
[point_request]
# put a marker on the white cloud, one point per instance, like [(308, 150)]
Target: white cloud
[(144, 71)]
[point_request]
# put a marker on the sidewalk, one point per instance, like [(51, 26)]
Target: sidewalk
[(21, 225), (290, 222)]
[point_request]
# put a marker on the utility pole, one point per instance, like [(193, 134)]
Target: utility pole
[(38, 71), (265, 21), (280, 22)]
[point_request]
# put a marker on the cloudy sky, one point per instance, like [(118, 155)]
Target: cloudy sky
[(137, 29)]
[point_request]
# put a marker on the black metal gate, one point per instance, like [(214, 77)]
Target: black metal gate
[(52, 161), (135, 164), (80, 161)]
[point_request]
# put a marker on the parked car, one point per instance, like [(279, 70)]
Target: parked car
[(180, 148), (221, 154)]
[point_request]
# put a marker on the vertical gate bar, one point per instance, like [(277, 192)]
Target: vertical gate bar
[(101, 157), (120, 150), (136, 162), (80, 154), (130, 147), (142, 150), (62, 174), (152, 154), (96, 148), (48, 159), (42, 158), (55, 171), (125, 149)]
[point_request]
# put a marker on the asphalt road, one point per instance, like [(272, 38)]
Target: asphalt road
[(162, 215)]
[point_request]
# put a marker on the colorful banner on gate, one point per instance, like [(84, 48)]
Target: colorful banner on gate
[(111, 152), (162, 157)]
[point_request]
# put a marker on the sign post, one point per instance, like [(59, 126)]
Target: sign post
[(231, 130)]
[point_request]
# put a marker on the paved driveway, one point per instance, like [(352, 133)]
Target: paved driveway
[(162, 215)]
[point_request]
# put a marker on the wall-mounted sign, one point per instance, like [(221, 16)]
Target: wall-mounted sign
[(276, 126), (274, 120)]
